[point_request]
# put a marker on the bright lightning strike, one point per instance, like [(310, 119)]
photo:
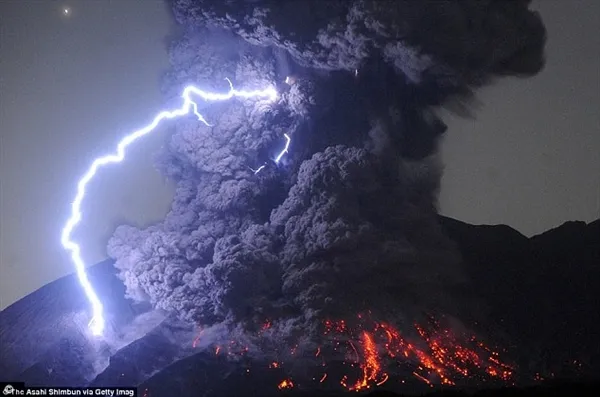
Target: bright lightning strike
[(285, 149), (279, 156), (97, 322)]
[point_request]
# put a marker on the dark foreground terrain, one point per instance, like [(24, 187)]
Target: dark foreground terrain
[(547, 389), (541, 291), (550, 389)]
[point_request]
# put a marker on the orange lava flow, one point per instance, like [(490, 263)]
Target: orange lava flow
[(371, 366), (436, 356), (362, 353)]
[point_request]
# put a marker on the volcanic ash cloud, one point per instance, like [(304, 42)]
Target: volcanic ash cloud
[(346, 222)]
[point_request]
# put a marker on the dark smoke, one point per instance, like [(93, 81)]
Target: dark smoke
[(347, 221)]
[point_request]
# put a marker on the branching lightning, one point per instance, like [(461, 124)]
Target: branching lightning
[(97, 322), (288, 140)]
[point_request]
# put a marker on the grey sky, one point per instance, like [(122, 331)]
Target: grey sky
[(531, 157), (71, 86)]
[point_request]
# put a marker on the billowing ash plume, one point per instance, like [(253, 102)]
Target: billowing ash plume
[(346, 222)]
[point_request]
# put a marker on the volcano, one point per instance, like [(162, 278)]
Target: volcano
[(541, 292), (324, 267)]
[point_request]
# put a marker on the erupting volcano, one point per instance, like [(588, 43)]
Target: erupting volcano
[(317, 262), (368, 354)]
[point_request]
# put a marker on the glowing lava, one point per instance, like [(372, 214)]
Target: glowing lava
[(97, 322), (371, 366), (363, 354), (437, 356)]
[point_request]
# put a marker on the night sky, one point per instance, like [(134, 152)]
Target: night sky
[(76, 76)]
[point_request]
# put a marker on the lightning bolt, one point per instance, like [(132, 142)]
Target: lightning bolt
[(279, 156), (97, 322), (285, 149)]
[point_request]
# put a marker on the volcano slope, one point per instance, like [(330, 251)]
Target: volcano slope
[(540, 291)]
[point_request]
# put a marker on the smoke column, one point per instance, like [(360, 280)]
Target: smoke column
[(346, 221)]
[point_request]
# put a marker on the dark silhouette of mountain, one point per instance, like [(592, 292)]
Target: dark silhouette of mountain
[(541, 291)]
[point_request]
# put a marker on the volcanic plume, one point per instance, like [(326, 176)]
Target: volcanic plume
[(343, 229)]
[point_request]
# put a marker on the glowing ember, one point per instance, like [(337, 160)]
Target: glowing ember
[(285, 384), (266, 325), (421, 377), (196, 340), (232, 349), (385, 379)]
